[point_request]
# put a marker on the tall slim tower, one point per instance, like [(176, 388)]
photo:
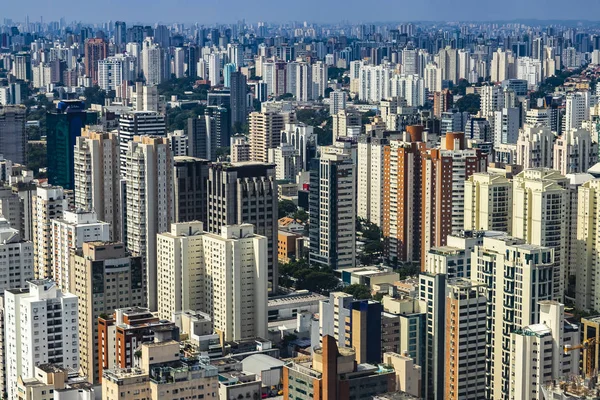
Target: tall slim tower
[(13, 138), (95, 50), (148, 202)]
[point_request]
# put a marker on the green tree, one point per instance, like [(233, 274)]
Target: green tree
[(470, 103), (301, 216), (358, 291), (286, 208), (94, 95)]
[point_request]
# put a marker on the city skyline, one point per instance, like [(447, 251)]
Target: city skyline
[(267, 10)]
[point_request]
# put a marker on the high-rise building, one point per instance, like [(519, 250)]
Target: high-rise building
[(28, 345), (162, 371), (193, 265), (138, 123), (202, 137), (148, 202), (13, 138), (535, 147), (190, 177), (22, 66), (114, 70), (588, 218), (214, 69), (442, 102), (287, 162), (575, 152), (503, 65), (509, 308), (540, 215), (95, 49), (240, 149), (63, 126), (125, 330), (488, 203), (577, 110), (506, 125), (97, 178), (179, 62), (49, 203), (465, 340), (155, 63), (239, 98), (104, 277), (301, 136), (265, 132), (120, 35), (337, 101), (537, 352), (70, 232), (332, 208), (245, 193), (401, 199), (443, 192)]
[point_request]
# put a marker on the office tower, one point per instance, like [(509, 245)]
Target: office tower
[(178, 62), (535, 147), (138, 123), (228, 69), (154, 63), (97, 178), (410, 61), (127, 329), (239, 98), (95, 269), (337, 101), (63, 126), (540, 217), (465, 340), (265, 132), (163, 370), (332, 208), (502, 66), (432, 75), (190, 259), (530, 70), (488, 203), (115, 70), (27, 346), (575, 152), (148, 202), (331, 376), (299, 81), (179, 142), (538, 352), (510, 309), (478, 129), (13, 138), (69, 232), (538, 116), (453, 121), (240, 149), (577, 110), (162, 36), (301, 136), (443, 191), (10, 207), (22, 66), (190, 177), (250, 192), (202, 138), (146, 98), (506, 125), (442, 102), (193, 53), (432, 290), (287, 162), (319, 79), (120, 35), (401, 200), (95, 50), (25, 191), (48, 204), (214, 69)]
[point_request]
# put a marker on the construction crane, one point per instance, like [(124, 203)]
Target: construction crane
[(585, 345)]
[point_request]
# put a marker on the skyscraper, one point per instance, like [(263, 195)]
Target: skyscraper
[(48, 204), (148, 202), (190, 177), (95, 50), (63, 126), (332, 208), (120, 35), (245, 193), (488, 203), (138, 123), (13, 138), (265, 132), (239, 98), (97, 178)]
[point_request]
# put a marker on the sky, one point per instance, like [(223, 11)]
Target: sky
[(224, 11)]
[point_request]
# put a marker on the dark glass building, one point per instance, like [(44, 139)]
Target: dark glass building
[(63, 126)]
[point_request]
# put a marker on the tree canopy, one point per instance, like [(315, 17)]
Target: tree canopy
[(470, 103)]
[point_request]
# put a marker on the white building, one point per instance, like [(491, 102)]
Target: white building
[(138, 123), (577, 110), (48, 204), (71, 232), (535, 147), (575, 151), (41, 328), (287, 162), (506, 126), (214, 69), (488, 203), (374, 82), (240, 149), (409, 87), (112, 71), (97, 178), (537, 353), (148, 202), (299, 135), (337, 101)]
